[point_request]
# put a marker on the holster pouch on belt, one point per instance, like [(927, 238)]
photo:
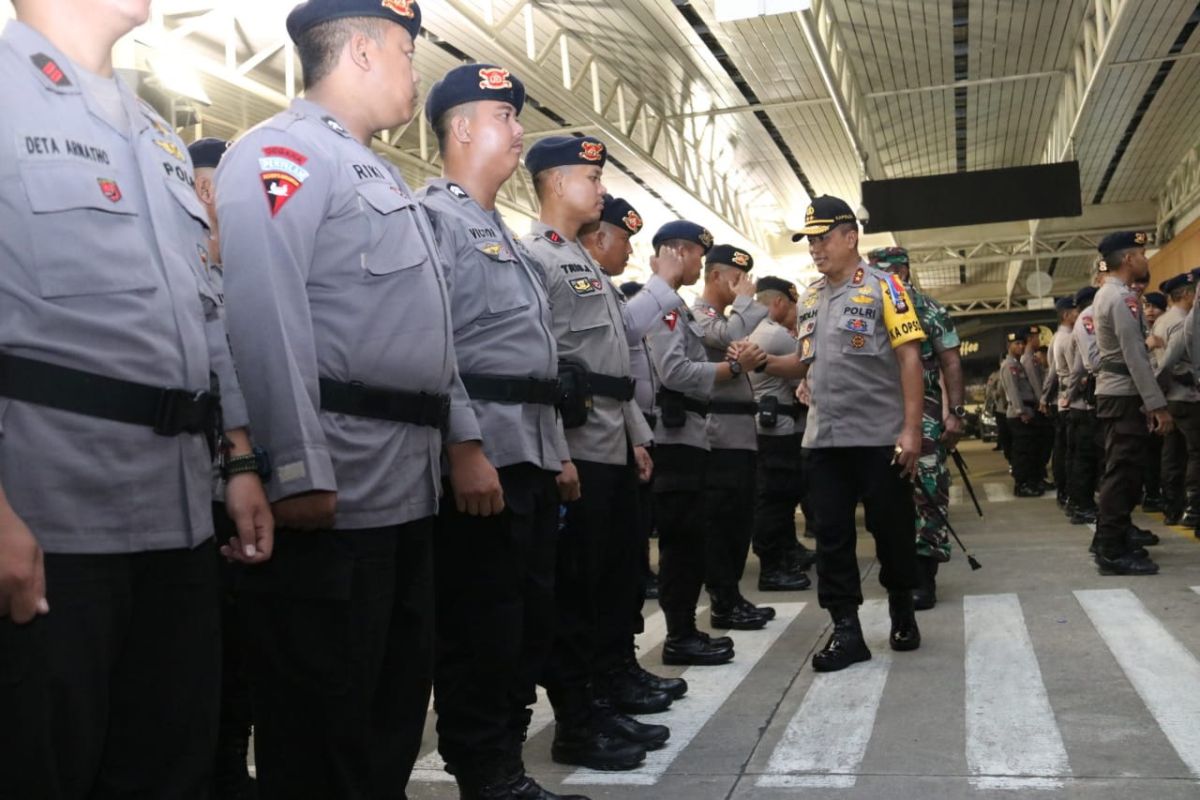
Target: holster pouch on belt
[(1184, 379), (671, 408), (768, 411), (574, 402)]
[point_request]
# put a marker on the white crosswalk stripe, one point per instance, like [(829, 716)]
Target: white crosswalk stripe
[(998, 492)]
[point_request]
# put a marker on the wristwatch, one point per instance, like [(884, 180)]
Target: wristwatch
[(959, 411), (256, 461), (735, 366)]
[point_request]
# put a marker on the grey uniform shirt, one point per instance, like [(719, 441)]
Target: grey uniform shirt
[(1017, 388), (1175, 358), (775, 340), (1033, 370), (1060, 360), (331, 271), (640, 314), (104, 247), (730, 431), (848, 334), (589, 327), (502, 327), (1122, 343), (676, 347)]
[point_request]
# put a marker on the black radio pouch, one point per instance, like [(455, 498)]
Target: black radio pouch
[(671, 409), (574, 402), (768, 411)]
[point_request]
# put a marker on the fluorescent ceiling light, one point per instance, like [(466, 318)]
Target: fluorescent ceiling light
[(731, 10), (178, 78)]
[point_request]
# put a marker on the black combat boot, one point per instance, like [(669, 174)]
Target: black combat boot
[(802, 558), (716, 641), (650, 586), (925, 595), (780, 575), (905, 633), (585, 746), (727, 613), (675, 688), (1027, 490), (1083, 516), (1172, 512), (1126, 564), (845, 645), (523, 787), (613, 723), (1191, 514), (687, 646), (764, 611), (630, 696), (1152, 503), (1139, 537)]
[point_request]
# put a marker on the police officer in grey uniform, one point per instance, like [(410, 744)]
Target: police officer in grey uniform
[(340, 322), (598, 580), (628, 686), (1176, 374), (732, 437), (1043, 424), (779, 484), (1022, 425), (493, 555), (1129, 404), (1086, 449), (687, 378), (859, 340), (1055, 389), (112, 356)]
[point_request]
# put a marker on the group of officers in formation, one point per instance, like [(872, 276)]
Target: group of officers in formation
[(416, 415), (1112, 404)]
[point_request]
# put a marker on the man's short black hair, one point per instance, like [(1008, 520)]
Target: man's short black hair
[(441, 129), (320, 47)]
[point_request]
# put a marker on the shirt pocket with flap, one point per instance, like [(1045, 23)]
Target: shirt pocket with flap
[(84, 231), (589, 306), (508, 287), (395, 241)]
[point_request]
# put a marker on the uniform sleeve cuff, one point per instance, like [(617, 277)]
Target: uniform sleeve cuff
[(305, 469), (463, 426), (233, 411)]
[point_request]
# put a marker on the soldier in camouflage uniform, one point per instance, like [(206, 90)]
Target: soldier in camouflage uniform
[(939, 431)]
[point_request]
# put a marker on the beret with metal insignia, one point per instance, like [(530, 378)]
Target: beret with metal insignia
[(687, 231), (1122, 240), (470, 83), (730, 256), (1178, 282), (1017, 334), (630, 288), (1085, 296), (823, 213), (1033, 330), (619, 212), (207, 152), (565, 151), (406, 13), (1156, 299), (1064, 303), (886, 257), (770, 283)]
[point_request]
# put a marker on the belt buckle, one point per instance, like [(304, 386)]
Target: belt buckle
[(179, 411)]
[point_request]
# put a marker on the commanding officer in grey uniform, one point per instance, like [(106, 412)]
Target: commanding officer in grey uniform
[(687, 378), (732, 437), (1176, 374), (859, 336), (1126, 396), (112, 354), (339, 319), (598, 579), (1022, 407), (627, 686), (494, 567), (779, 484)]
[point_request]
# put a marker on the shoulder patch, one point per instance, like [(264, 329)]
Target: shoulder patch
[(456, 190), (1134, 307), (710, 311), (283, 174), (555, 237), (49, 67), (859, 274), (335, 126), (896, 291), (671, 318), (1089, 325)]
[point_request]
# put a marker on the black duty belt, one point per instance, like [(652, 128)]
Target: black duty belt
[(169, 412), (1114, 367), (1184, 379), (732, 407), (610, 386), (790, 411), (700, 407), (359, 400), (504, 389)]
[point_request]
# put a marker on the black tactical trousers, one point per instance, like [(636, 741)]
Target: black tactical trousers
[(494, 579), (597, 585), (729, 500), (1059, 460), (1026, 470), (115, 692), (236, 718), (1153, 477), (779, 488), (341, 641), (1004, 436), (1045, 426), (1181, 457), (1087, 458), (837, 477), (679, 516), (1126, 447)]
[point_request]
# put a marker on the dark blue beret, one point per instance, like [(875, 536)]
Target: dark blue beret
[(770, 283), (1178, 282), (620, 213), (1064, 303), (470, 83), (207, 152), (1085, 296), (565, 151), (687, 231), (731, 256), (1018, 334), (1123, 240), (630, 288), (1156, 299), (313, 12)]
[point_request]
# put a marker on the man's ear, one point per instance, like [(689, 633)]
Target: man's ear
[(357, 50), (460, 128), (205, 190)]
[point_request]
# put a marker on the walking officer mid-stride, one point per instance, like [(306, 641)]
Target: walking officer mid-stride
[(116, 385), (779, 482), (494, 545), (598, 575), (1022, 427), (859, 340), (1127, 396), (340, 323)]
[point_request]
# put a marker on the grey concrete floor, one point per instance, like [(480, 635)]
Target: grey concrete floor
[(1022, 688)]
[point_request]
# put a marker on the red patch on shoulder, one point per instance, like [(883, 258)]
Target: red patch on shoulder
[(672, 319)]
